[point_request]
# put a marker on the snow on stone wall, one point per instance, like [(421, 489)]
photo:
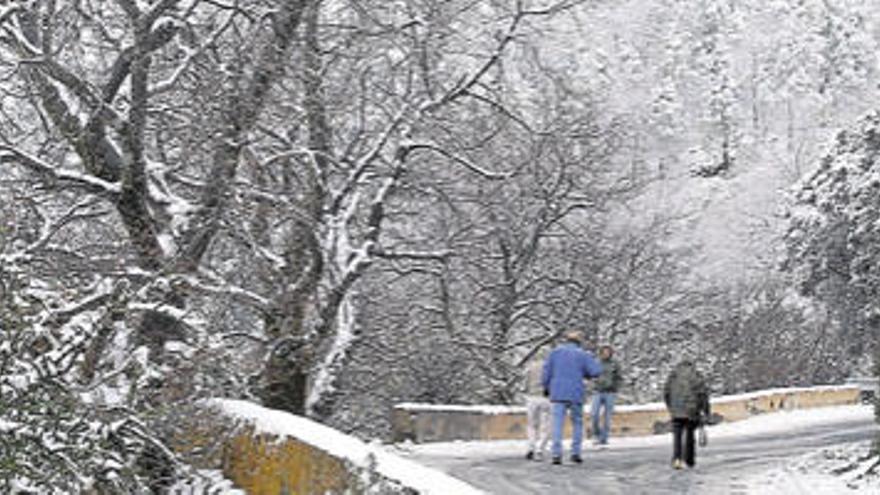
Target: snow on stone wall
[(281, 449)]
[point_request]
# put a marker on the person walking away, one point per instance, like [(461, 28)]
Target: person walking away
[(563, 381), (537, 409), (687, 398), (605, 390)]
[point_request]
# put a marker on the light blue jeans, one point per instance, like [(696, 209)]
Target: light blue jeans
[(576, 411), (601, 399)]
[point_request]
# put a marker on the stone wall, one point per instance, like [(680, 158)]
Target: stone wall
[(431, 423), (269, 452), (266, 465)]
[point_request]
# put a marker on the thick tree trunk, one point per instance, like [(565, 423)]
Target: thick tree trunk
[(284, 380), (285, 384)]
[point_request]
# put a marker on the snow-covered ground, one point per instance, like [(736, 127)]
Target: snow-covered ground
[(840, 470), (809, 471)]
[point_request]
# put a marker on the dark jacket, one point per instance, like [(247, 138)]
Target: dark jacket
[(565, 370), (685, 393), (611, 377)]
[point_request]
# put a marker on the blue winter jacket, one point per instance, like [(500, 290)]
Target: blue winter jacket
[(565, 370)]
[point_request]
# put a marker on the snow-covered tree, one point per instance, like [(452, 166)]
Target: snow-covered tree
[(308, 201), (241, 162), (834, 235)]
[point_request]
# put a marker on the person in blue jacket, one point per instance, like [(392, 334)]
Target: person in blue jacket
[(563, 381)]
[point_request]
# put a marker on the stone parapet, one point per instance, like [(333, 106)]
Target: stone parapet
[(269, 452), (436, 423)]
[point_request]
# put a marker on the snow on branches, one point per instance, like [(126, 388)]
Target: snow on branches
[(834, 234)]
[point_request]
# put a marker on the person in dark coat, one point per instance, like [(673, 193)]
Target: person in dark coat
[(604, 391), (687, 399), (563, 381)]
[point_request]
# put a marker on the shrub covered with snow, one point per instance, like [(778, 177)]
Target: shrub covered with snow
[(74, 416), (53, 439)]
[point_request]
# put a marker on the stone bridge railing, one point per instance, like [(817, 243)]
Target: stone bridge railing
[(433, 423), (269, 452)]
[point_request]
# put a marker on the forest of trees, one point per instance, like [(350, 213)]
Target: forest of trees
[(332, 206)]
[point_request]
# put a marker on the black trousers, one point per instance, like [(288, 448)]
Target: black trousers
[(683, 427)]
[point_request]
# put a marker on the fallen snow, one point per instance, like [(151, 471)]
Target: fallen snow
[(425, 480), (793, 420), (205, 481), (815, 473), (783, 391)]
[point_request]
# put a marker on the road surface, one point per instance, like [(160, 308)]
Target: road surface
[(634, 466)]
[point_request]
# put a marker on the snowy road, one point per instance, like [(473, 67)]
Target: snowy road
[(736, 453)]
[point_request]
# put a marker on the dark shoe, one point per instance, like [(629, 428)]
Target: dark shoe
[(530, 455), (577, 459), (557, 460)]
